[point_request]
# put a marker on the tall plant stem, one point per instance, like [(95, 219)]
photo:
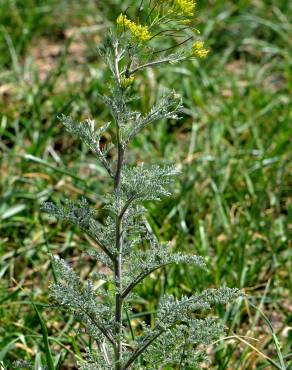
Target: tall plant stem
[(118, 271), (118, 296), (118, 245)]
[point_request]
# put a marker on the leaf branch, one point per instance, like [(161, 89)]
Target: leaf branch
[(141, 277), (153, 64)]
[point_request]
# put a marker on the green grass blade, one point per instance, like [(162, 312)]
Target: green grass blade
[(274, 336), (7, 348), (49, 358)]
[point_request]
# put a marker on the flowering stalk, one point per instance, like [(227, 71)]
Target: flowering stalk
[(177, 337)]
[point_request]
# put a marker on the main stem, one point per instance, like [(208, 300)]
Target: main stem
[(118, 261), (118, 298)]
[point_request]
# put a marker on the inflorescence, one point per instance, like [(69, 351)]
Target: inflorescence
[(169, 12), (139, 33), (184, 7), (199, 50)]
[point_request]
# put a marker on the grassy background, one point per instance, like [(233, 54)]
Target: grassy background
[(230, 204)]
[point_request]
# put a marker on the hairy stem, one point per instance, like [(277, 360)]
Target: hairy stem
[(118, 278), (118, 241), (116, 63), (118, 297)]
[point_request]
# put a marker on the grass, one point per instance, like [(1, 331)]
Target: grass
[(231, 203)]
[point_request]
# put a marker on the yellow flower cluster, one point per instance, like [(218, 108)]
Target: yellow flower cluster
[(199, 50), (126, 82), (184, 7), (139, 33)]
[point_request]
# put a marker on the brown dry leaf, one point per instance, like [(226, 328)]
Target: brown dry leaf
[(45, 55), (236, 67), (227, 93), (25, 348), (257, 235), (6, 89), (37, 175), (222, 238)]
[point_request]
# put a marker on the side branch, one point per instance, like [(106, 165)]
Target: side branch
[(79, 215), (126, 207), (148, 341), (211, 296), (100, 244), (152, 64), (165, 260), (99, 326), (140, 277), (105, 163)]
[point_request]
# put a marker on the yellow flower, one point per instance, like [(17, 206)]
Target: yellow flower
[(139, 33), (199, 50), (122, 20), (126, 81), (184, 7)]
